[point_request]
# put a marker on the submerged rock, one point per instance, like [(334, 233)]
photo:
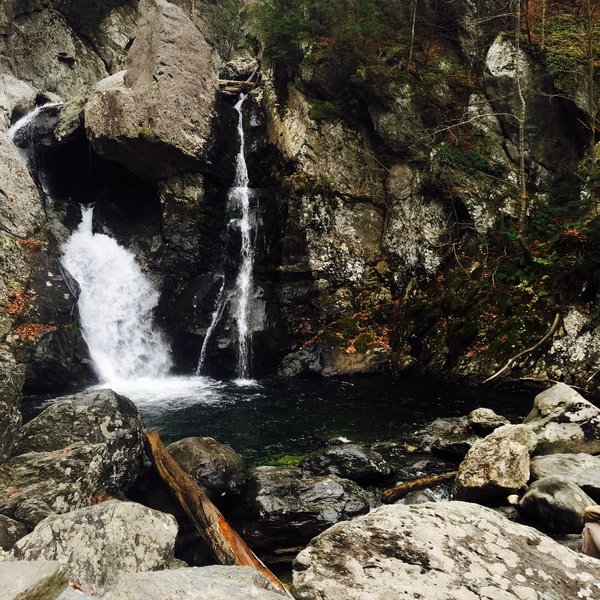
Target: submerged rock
[(31, 580), (564, 421), (555, 504), (195, 583), (96, 545), (496, 466), (442, 551), (216, 467), (350, 461), (284, 508), (121, 118)]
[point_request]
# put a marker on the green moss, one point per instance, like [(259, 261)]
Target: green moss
[(325, 111), (286, 460)]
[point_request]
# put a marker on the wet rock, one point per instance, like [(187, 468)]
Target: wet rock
[(204, 583), (564, 422), (284, 508), (581, 469), (446, 436), (216, 467), (240, 67), (350, 461), (10, 532), (449, 550), (555, 504), (121, 119), (453, 446), (483, 421), (496, 466), (83, 446), (133, 538), (31, 580)]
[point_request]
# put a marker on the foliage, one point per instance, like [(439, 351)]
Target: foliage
[(286, 460), (474, 160)]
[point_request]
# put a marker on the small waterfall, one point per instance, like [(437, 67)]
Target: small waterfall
[(20, 127), (115, 305), (239, 198)]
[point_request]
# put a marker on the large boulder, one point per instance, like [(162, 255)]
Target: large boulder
[(496, 466), (94, 417), (86, 445), (195, 583), (96, 545), (581, 469), (441, 551), (555, 504), (216, 467), (564, 422), (350, 461), (156, 118), (31, 580), (284, 508), (483, 421)]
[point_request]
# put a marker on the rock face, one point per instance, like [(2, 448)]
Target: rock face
[(555, 504), (168, 66), (215, 466), (496, 466), (46, 52), (10, 532), (31, 580), (285, 509), (350, 461), (96, 545), (564, 421), (96, 449), (195, 583), (441, 551)]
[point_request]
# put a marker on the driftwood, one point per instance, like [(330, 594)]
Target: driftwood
[(401, 489), (226, 545), (511, 362)]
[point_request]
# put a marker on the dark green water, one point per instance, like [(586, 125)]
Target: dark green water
[(273, 417)]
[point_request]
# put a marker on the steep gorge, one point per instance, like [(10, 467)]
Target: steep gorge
[(387, 192)]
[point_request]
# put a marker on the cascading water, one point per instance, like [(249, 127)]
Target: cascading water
[(239, 198), (115, 305)]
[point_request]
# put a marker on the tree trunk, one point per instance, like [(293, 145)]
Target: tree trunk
[(226, 545)]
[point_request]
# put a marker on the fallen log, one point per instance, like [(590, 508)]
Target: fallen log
[(226, 545), (401, 489), (235, 88)]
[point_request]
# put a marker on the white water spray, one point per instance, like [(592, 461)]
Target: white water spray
[(115, 305), (27, 119)]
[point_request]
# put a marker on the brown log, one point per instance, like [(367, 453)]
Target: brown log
[(401, 489), (226, 545)]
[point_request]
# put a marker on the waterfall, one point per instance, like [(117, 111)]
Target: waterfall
[(23, 123), (115, 306), (240, 195), (239, 198)]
